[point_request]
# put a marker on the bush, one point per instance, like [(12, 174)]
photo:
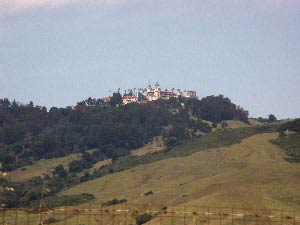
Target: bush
[(148, 193), (170, 142), (144, 218), (224, 125), (50, 220), (114, 202)]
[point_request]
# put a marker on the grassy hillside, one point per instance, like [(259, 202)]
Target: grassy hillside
[(40, 167), (291, 144), (251, 174), (215, 139)]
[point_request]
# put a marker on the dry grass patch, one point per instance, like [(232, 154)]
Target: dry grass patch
[(155, 145), (40, 167), (100, 164)]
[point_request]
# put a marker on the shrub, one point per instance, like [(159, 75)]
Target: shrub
[(114, 202), (148, 193), (171, 141), (50, 220), (144, 218)]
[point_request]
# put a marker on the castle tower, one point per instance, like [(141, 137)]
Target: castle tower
[(149, 88), (150, 92), (157, 91)]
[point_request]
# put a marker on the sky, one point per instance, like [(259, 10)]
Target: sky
[(59, 52)]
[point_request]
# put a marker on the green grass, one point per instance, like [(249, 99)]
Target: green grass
[(291, 144), (215, 139)]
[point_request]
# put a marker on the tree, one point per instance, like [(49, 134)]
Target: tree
[(272, 118), (217, 109), (116, 99), (60, 171)]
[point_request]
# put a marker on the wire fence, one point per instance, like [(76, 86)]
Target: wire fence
[(131, 214)]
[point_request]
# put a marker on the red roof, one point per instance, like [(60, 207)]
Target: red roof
[(129, 97)]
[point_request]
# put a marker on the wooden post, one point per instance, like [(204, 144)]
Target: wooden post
[(16, 218), (77, 217), (183, 215), (28, 212), (101, 216), (3, 216), (220, 215), (244, 217), (232, 218), (65, 214), (89, 219), (125, 214), (53, 213), (208, 216), (113, 215), (173, 215)]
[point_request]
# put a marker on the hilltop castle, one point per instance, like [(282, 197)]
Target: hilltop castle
[(153, 94)]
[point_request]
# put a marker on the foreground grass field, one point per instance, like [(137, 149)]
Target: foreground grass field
[(252, 174)]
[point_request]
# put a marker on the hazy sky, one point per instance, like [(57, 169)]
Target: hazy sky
[(58, 52)]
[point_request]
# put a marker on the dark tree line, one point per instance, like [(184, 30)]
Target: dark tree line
[(217, 109), (29, 132)]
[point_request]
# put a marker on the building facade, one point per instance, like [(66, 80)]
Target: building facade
[(155, 93), (129, 99)]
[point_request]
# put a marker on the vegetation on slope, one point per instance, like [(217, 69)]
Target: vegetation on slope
[(216, 139), (291, 144), (29, 132), (289, 140), (31, 190)]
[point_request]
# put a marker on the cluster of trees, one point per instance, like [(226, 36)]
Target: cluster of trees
[(271, 118), (217, 109), (31, 192), (291, 126), (29, 132)]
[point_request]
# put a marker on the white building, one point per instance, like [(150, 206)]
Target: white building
[(153, 94), (191, 94), (129, 99)]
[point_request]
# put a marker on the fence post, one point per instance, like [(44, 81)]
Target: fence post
[(3, 216), (89, 219), (208, 216), (220, 215), (244, 217), (232, 219), (101, 216), (16, 218), (53, 213), (113, 215), (125, 213), (183, 215), (65, 220), (173, 215), (28, 214), (77, 216), (160, 217)]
